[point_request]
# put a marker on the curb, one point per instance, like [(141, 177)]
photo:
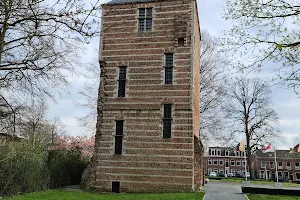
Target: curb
[(244, 195), (205, 196)]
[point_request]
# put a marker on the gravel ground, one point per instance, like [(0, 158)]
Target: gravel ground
[(223, 191)]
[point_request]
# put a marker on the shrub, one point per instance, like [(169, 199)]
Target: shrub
[(68, 158), (66, 167), (22, 168)]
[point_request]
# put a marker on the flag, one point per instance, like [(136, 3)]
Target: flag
[(268, 148), (240, 146)]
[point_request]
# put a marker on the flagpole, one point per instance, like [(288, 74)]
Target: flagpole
[(276, 165)]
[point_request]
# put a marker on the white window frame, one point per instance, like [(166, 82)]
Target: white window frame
[(220, 160), (263, 165), (243, 163), (216, 162), (236, 163), (210, 161), (232, 161), (271, 166), (228, 162)]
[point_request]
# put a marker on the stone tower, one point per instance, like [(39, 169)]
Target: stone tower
[(148, 109)]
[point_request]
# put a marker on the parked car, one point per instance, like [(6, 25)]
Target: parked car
[(248, 175), (230, 175), (238, 175), (213, 174), (221, 174)]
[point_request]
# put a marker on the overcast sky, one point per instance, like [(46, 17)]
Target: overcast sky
[(285, 102)]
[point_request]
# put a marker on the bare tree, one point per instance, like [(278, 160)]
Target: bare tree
[(250, 113), (89, 94), (212, 90), (39, 41), (8, 115), (263, 32), (34, 125)]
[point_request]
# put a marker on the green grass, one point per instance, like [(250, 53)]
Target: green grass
[(271, 197), (68, 195), (259, 182)]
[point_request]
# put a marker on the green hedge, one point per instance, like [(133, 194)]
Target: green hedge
[(25, 167), (65, 167), (22, 168)]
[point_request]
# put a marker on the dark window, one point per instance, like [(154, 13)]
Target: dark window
[(180, 42), (168, 68), (167, 121), (215, 162), (119, 137), (232, 162), (116, 187), (145, 19), (122, 81), (227, 163), (209, 161), (288, 164)]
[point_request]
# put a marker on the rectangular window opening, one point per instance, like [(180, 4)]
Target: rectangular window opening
[(122, 82), (145, 19), (167, 121), (209, 161), (115, 187), (263, 164), (169, 68), (232, 162), (215, 162), (181, 42), (119, 137)]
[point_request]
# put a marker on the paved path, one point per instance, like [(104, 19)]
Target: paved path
[(223, 191)]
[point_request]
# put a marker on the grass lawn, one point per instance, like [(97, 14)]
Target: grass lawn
[(235, 180), (271, 197), (68, 195)]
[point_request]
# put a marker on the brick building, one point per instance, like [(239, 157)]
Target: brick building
[(224, 160), (288, 162), (148, 110)]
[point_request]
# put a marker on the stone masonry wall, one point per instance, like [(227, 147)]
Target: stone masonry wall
[(148, 162), (198, 148)]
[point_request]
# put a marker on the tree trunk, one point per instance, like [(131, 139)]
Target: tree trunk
[(2, 42), (4, 29), (246, 121), (249, 166)]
